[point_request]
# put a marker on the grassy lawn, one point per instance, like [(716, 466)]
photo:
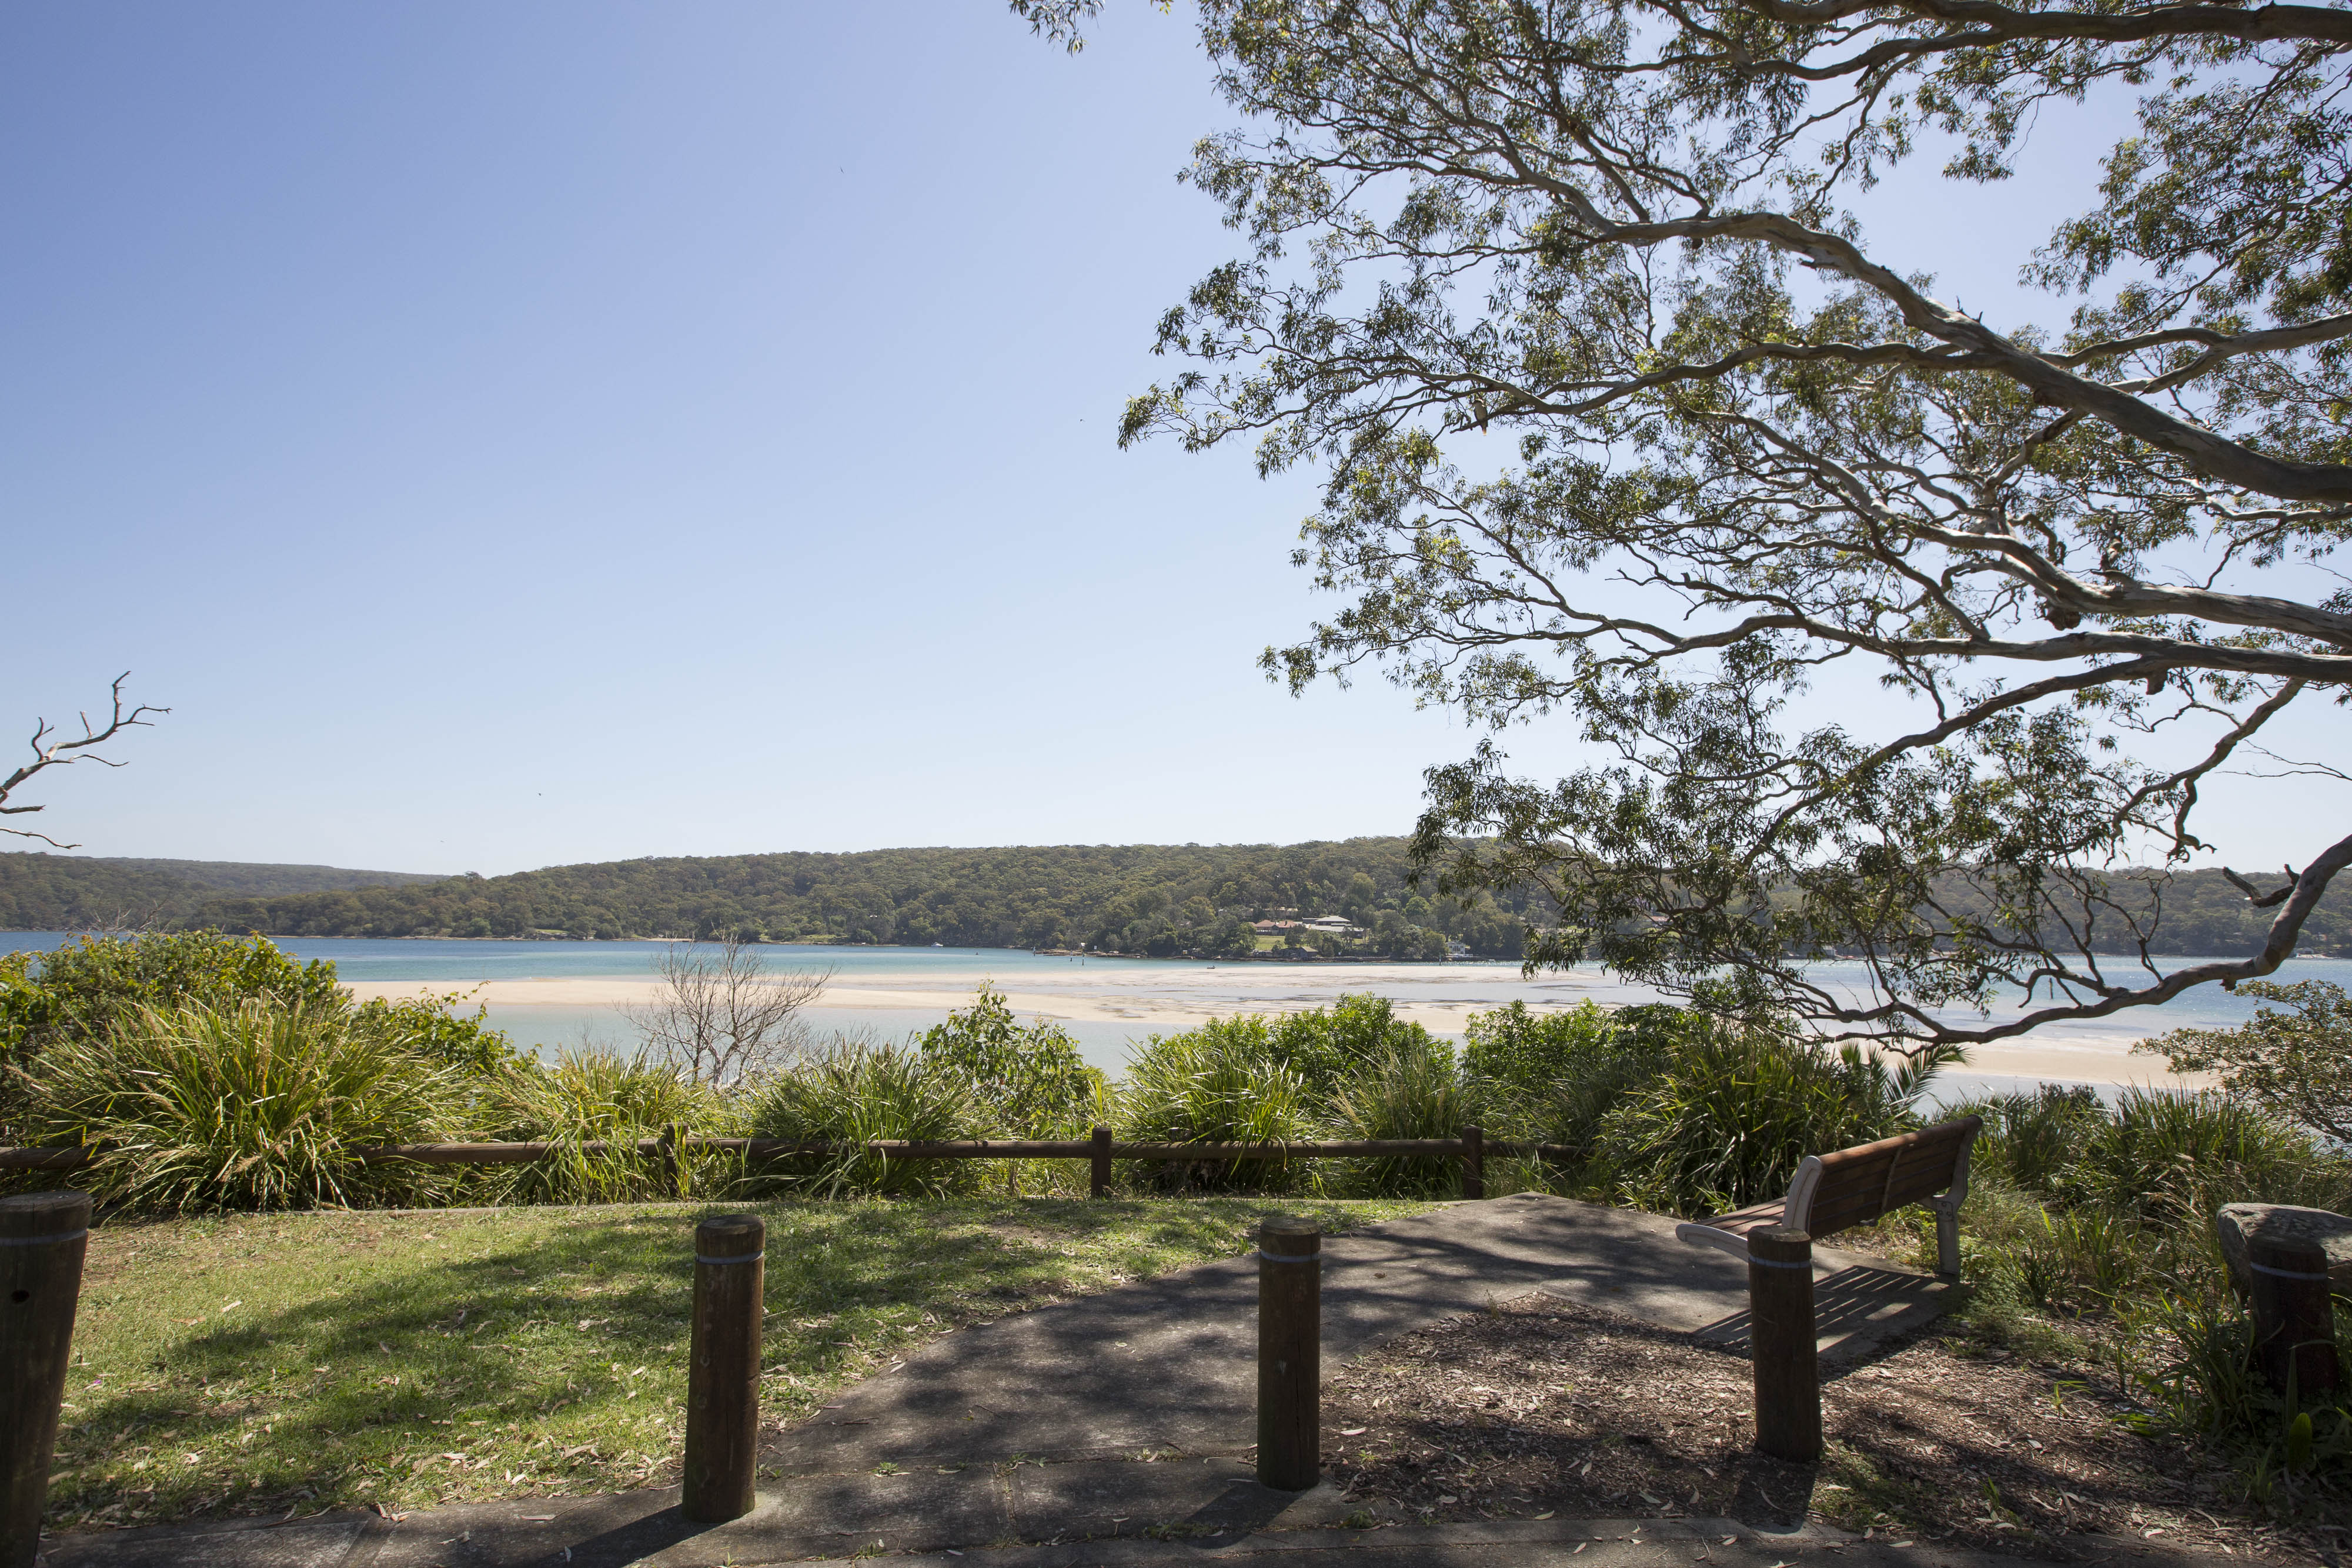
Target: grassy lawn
[(256, 1364)]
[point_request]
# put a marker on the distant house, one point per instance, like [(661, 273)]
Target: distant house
[(1275, 927), (1332, 926)]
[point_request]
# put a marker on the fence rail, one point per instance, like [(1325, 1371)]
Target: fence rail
[(1472, 1149), (76, 1156)]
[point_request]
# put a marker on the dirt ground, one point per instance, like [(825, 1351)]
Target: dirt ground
[(1541, 1407)]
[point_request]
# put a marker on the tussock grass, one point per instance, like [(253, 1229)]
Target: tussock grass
[(1215, 1086), (251, 1106), (1405, 1094), (584, 1097), (860, 1092), (240, 1363)]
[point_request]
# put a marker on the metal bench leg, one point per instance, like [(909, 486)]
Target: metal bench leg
[(1947, 1242)]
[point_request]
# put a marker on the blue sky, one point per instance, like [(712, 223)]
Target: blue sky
[(526, 433)]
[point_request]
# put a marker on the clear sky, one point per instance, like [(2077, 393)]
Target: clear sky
[(523, 433)]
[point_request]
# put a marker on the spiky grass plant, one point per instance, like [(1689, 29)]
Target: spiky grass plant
[(585, 1097), (1731, 1116), (261, 1104), (1215, 1086), (857, 1090), (1405, 1094)]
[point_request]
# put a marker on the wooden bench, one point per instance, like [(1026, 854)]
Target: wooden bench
[(1853, 1186)]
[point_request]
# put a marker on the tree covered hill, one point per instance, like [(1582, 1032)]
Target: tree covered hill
[(1134, 898), (56, 892), (1137, 898)]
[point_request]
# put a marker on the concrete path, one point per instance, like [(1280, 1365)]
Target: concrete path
[(1118, 1419), (1170, 1363)]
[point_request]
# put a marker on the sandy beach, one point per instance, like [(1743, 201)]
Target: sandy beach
[(1137, 1000)]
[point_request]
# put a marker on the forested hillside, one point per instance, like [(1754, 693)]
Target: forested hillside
[(56, 892), (1137, 898), (1133, 898)]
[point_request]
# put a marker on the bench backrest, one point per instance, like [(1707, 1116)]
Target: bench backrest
[(1853, 1186)]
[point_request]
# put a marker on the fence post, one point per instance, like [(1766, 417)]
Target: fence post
[(670, 1182), (722, 1382), (1474, 1162), (1780, 1339), (1100, 1144), (1289, 1354), (2295, 1327), (42, 1236)]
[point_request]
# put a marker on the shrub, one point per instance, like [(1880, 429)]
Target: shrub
[(1405, 1094), (2172, 1156), (1218, 1083), (587, 1096), (258, 1104), (2030, 1139), (1553, 1078), (855, 1092), (2296, 1064), (432, 1027), (1734, 1112), (84, 988), (1324, 1045), (1029, 1082)]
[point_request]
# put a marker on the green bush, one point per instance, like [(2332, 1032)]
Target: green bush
[(258, 1104), (434, 1027), (1219, 1084), (1735, 1111), (1029, 1082), (1554, 1078), (1325, 1045), (583, 1097), (2030, 1139), (855, 1092), (2295, 1064), (2173, 1157), (1405, 1094), (83, 989)]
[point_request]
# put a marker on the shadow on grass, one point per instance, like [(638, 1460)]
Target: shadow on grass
[(549, 1357)]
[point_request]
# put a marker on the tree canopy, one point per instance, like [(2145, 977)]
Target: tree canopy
[(1624, 417)]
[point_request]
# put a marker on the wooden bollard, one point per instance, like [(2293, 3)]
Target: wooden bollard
[(1474, 1162), (1780, 1338), (2295, 1327), (1099, 1147), (722, 1380), (1289, 1354), (42, 1236)]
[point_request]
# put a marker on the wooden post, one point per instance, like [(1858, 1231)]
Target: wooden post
[(2294, 1329), (1780, 1338), (42, 1236), (670, 1182), (1289, 1354), (1101, 1153), (722, 1382), (1474, 1162)]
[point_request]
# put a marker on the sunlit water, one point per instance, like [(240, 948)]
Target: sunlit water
[(1150, 982)]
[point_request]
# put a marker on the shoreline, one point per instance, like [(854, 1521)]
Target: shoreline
[(1170, 1009)]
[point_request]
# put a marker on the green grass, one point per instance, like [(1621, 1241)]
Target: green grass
[(248, 1363)]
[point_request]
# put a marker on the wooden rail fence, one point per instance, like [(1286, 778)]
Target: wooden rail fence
[(1472, 1149)]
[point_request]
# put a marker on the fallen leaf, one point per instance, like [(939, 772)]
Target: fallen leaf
[(1353, 1431)]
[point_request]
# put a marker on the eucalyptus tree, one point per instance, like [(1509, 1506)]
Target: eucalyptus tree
[(1624, 417)]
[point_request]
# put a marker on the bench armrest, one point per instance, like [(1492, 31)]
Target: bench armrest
[(1699, 1235)]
